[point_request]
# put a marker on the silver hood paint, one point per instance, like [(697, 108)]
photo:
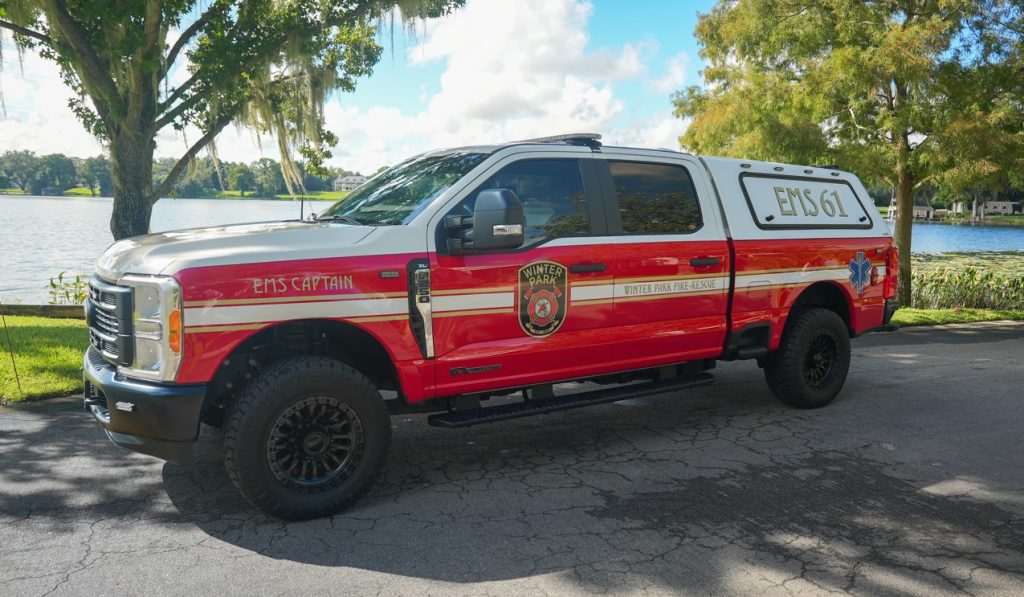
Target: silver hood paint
[(166, 253)]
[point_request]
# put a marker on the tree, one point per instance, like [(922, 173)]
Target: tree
[(871, 86), (241, 178), (95, 172), (53, 173), (269, 181), (20, 167), (268, 64)]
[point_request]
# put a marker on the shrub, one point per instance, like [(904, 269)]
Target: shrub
[(967, 288), (68, 290)]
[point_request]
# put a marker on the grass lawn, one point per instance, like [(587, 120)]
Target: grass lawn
[(78, 192), (1008, 264), (48, 354), (13, 191), (314, 196), (883, 210), (913, 317), (1005, 220)]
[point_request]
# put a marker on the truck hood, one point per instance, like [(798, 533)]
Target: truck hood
[(167, 253)]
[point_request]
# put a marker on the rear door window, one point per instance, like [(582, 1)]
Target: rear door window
[(655, 198)]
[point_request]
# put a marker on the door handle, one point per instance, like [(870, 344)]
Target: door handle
[(704, 261), (586, 268)]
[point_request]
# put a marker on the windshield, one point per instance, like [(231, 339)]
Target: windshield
[(396, 195)]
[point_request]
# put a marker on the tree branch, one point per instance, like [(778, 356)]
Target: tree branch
[(94, 76), (26, 32), (172, 177), (178, 92), (178, 110), (188, 34)]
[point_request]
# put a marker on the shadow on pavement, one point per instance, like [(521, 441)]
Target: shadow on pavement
[(689, 492)]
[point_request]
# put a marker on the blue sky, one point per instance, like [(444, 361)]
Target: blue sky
[(497, 70)]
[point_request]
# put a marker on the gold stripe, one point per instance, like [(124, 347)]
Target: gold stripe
[(784, 270), (495, 311), (372, 318), (294, 299), (666, 278), (451, 291), (591, 282), (226, 328), (587, 302), (651, 297)]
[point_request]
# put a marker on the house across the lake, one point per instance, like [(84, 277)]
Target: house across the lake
[(347, 183), (922, 210)]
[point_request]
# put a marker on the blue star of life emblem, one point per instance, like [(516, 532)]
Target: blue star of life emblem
[(860, 272)]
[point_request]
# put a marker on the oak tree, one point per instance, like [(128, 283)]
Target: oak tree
[(268, 64), (872, 86)]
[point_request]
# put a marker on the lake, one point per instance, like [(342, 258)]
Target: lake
[(43, 236)]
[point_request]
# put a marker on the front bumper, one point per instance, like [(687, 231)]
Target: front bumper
[(158, 420)]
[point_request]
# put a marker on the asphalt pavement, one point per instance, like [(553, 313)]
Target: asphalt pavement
[(912, 482)]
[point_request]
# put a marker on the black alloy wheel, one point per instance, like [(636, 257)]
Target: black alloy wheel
[(821, 359), (315, 444)]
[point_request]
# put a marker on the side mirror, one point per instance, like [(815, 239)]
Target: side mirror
[(497, 223)]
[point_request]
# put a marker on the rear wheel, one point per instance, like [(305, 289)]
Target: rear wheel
[(307, 438), (811, 364)]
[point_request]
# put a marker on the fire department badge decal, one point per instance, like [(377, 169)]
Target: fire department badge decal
[(543, 297)]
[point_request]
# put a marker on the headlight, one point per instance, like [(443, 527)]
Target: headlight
[(156, 326)]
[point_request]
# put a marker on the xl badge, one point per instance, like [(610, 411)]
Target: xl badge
[(543, 297), (860, 272)]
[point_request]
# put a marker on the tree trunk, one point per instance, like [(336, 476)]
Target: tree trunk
[(904, 220), (131, 164)]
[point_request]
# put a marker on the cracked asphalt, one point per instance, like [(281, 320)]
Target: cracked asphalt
[(912, 482)]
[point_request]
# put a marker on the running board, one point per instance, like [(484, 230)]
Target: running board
[(493, 414)]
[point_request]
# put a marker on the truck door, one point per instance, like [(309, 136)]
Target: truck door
[(508, 318), (671, 262)]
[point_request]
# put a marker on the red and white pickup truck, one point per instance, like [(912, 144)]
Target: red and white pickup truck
[(478, 275)]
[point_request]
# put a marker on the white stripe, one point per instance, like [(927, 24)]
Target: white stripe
[(461, 302), (590, 293), (206, 316), (678, 285), (818, 275)]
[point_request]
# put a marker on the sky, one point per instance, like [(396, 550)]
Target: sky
[(494, 71)]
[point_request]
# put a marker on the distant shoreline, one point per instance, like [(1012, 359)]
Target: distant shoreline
[(80, 192)]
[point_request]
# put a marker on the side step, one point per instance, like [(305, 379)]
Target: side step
[(493, 414)]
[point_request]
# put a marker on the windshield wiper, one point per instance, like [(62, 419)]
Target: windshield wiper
[(335, 218)]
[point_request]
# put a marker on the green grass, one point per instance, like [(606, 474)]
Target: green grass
[(78, 192), (316, 196), (915, 317), (48, 355), (13, 191), (884, 211), (313, 196), (1009, 264), (1005, 220)]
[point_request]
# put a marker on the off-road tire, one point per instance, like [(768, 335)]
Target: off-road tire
[(795, 375), (303, 385)]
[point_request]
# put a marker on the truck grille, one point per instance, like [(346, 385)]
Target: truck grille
[(108, 311)]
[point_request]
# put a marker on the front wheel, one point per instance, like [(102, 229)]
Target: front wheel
[(810, 366), (307, 438)]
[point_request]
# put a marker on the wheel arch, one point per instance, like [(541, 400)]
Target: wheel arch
[(341, 340), (828, 295)]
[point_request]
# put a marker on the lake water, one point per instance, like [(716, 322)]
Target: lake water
[(42, 236)]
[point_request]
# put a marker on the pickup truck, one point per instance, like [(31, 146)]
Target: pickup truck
[(469, 283)]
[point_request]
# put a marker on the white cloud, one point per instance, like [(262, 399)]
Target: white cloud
[(36, 116), (675, 74), (511, 70)]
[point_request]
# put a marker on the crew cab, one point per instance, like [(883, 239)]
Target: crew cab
[(469, 283)]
